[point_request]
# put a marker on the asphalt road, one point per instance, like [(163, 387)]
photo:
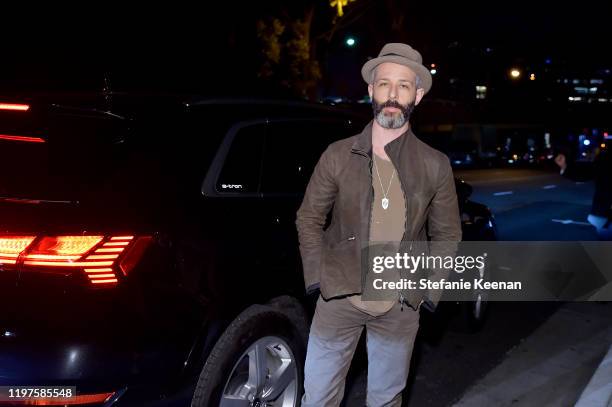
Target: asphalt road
[(528, 205), (533, 205)]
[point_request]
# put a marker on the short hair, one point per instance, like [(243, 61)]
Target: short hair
[(373, 75)]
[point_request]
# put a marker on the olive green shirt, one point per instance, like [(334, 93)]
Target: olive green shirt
[(386, 225)]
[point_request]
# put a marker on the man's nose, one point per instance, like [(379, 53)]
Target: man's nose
[(392, 93)]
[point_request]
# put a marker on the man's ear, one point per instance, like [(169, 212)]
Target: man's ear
[(419, 95), (370, 90)]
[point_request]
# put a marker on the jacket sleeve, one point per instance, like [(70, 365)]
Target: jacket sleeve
[(444, 227), (310, 220)]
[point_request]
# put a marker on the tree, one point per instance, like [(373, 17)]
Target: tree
[(288, 57), (293, 40)]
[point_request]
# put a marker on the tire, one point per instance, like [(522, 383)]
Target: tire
[(475, 314), (259, 358)]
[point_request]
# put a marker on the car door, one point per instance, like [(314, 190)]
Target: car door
[(292, 149)]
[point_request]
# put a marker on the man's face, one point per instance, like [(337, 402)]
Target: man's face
[(394, 94)]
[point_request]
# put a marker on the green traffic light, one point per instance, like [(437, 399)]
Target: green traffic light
[(350, 41)]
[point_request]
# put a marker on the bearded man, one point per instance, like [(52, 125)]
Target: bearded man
[(384, 185)]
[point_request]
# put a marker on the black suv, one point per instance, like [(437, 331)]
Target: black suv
[(148, 248)]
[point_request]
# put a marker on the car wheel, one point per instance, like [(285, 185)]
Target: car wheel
[(475, 311), (258, 361), (472, 313)]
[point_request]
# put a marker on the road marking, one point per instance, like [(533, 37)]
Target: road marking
[(503, 193), (570, 222), (549, 186)]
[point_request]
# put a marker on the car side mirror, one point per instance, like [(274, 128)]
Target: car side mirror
[(464, 190)]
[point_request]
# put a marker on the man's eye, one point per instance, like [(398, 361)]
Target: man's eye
[(381, 84), (404, 86)]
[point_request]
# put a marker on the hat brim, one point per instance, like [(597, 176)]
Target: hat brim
[(420, 70)]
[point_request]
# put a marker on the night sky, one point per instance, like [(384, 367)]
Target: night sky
[(211, 47)]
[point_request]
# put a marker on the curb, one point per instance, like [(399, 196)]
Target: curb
[(598, 392)]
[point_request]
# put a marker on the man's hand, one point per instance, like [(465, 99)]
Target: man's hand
[(426, 305)]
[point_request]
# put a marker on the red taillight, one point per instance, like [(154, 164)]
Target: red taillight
[(26, 139), (12, 246), (15, 107), (134, 254), (64, 246), (60, 251), (78, 400), (96, 256), (100, 273)]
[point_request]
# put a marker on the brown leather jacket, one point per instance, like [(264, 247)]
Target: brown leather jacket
[(342, 179)]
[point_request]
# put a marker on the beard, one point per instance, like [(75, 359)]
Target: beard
[(394, 120)]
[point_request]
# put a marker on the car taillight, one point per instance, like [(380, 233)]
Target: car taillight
[(12, 246), (100, 258), (15, 107), (78, 400), (62, 248), (26, 139)]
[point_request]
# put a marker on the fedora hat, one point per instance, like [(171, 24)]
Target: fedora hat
[(402, 54)]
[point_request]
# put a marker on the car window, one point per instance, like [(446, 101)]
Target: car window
[(242, 167), (292, 149)]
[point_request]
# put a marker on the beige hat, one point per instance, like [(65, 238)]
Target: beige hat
[(402, 54)]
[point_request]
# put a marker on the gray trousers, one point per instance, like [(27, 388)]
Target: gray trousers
[(334, 334)]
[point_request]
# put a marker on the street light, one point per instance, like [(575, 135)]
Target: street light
[(515, 73), (339, 5), (350, 41)]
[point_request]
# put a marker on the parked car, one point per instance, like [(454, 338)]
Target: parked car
[(477, 224), (148, 247)]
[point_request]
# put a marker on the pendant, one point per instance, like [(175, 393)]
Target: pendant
[(385, 203)]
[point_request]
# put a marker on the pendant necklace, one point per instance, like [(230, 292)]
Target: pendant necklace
[(385, 200)]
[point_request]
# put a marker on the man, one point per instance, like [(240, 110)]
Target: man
[(384, 185), (600, 215)]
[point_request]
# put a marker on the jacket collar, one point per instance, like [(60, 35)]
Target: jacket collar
[(363, 142)]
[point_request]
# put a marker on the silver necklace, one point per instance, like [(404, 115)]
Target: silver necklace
[(385, 200)]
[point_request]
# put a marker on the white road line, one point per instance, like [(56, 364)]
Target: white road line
[(503, 193), (570, 222), (549, 186)]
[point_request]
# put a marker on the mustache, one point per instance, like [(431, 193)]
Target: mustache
[(392, 103), (378, 107)]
